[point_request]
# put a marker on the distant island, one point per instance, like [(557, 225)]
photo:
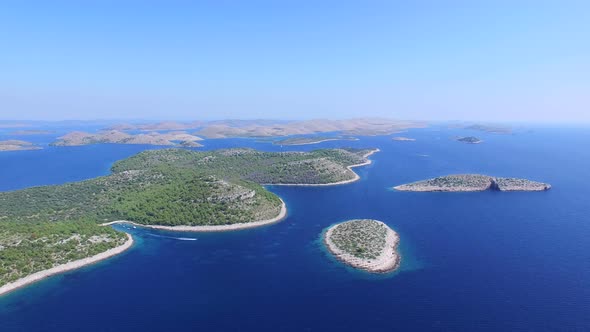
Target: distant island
[(17, 145), (31, 132), (483, 127), (51, 229), (12, 124), (159, 126), (469, 140), (268, 128), (179, 138), (311, 140), (364, 244), (492, 129), (403, 139), (473, 182)]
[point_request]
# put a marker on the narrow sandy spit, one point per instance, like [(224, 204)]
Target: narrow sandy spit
[(211, 228), (355, 178), (317, 142), (388, 260), (37, 276)]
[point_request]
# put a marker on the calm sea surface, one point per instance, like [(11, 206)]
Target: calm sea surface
[(471, 261)]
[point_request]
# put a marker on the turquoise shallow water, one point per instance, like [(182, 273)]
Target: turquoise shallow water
[(471, 261)]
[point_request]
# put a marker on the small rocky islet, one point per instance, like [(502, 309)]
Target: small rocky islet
[(17, 145), (473, 182), (364, 244), (469, 140)]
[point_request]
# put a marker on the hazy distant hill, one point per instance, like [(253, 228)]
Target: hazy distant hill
[(268, 129), (118, 137)]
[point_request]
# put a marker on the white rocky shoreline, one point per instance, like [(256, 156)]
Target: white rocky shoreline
[(355, 178), (472, 182), (210, 228), (388, 260), (37, 276)]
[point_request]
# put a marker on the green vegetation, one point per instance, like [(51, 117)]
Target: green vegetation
[(362, 238), (26, 248), (180, 187), (315, 167), (42, 227)]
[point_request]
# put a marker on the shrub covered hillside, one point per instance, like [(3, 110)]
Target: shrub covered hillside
[(181, 187), (26, 248)]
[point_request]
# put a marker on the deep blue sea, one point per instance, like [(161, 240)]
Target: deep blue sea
[(484, 261)]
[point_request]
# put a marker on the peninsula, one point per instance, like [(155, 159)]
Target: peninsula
[(364, 244), (473, 182), (355, 177), (179, 138), (30, 252), (17, 145), (51, 229), (177, 187)]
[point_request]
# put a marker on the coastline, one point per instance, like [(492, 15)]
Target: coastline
[(317, 142), (210, 228), (355, 178), (37, 276), (388, 261), (430, 189), (494, 184)]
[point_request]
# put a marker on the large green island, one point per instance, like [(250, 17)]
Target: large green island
[(473, 182), (364, 244), (52, 229)]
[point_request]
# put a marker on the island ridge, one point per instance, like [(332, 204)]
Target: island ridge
[(473, 182), (52, 229), (17, 145), (179, 138)]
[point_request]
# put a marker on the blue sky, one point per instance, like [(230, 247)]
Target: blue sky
[(433, 60)]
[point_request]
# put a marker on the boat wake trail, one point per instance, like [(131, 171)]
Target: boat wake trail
[(172, 237)]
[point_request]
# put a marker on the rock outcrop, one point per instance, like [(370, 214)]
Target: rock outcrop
[(473, 182)]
